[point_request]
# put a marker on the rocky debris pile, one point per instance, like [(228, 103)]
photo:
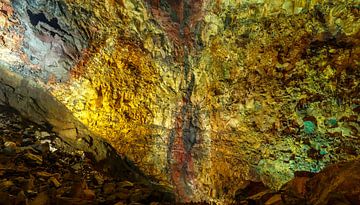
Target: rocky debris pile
[(336, 184), (34, 170)]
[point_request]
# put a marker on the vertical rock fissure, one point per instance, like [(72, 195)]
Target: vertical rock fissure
[(184, 135), (183, 138)]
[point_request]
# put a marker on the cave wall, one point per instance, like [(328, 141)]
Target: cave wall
[(203, 96)]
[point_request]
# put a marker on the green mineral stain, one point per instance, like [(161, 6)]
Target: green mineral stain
[(314, 169), (226, 74), (309, 127), (331, 122), (257, 105)]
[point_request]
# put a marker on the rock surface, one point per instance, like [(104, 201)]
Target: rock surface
[(42, 169), (336, 184), (203, 96)]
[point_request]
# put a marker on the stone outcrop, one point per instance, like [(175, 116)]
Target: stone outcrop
[(203, 96), (336, 184)]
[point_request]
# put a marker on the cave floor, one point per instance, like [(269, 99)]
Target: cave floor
[(33, 170)]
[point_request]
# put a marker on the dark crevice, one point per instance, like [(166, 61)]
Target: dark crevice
[(40, 17)]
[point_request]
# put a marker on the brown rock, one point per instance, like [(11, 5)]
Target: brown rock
[(274, 200), (251, 189), (109, 188), (124, 184), (69, 133), (77, 189), (30, 184), (55, 182), (123, 194), (336, 184), (21, 198), (261, 197), (40, 199), (35, 159), (295, 190), (89, 194), (71, 201), (99, 180), (138, 196), (10, 147), (44, 174), (5, 199), (10, 144), (21, 182), (6, 184)]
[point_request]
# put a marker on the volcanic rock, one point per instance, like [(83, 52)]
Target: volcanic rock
[(198, 96)]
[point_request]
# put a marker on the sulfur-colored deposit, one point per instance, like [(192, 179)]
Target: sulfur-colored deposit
[(206, 99)]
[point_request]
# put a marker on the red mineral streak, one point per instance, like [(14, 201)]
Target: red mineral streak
[(179, 31), (182, 168)]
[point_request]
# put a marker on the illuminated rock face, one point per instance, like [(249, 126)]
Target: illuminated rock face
[(203, 96)]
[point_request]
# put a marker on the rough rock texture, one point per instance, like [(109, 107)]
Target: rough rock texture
[(203, 96), (39, 168), (336, 184), (341, 182)]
